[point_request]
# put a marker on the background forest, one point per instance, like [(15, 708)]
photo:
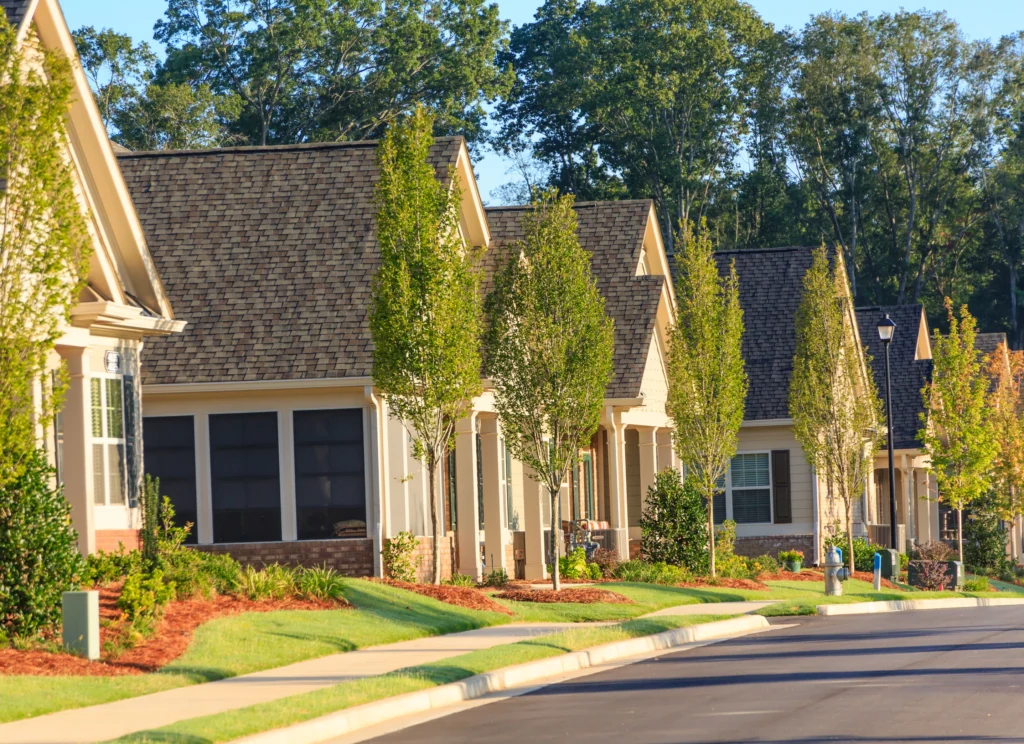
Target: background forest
[(894, 137)]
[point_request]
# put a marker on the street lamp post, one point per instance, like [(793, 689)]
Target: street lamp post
[(886, 329)]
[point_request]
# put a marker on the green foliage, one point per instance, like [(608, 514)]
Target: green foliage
[(44, 245), (144, 593), (955, 430), (102, 568), (399, 556), (673, 525), (38, 550), (791, 556), (149, 510), (730, 565), (764, 564), (320, 582), (977, 584), (574, 565), (271, 582), (651, 573), (863, 551), (832, 395), (594, 572), (459, 579), (707, 381), (549, 346), (497, 577), (196, 573), (607, 560), (426, 313), (984, 538)]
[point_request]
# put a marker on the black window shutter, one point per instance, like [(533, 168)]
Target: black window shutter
[(781, 487), (131, 440)]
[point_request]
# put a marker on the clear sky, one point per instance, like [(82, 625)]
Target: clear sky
[(979, 19)]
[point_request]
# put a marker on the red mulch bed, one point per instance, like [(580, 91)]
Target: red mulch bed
[(870, 577), (568, 596), (460, 596), (790, 576), (702, 582), (171, 639)]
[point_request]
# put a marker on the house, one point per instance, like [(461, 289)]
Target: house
[(910, 354), (94, 440), (262, 420), (771, 491)]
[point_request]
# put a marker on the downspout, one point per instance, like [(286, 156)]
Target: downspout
[(817, 520), (378, 451)]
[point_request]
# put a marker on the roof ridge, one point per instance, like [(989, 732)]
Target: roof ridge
[(577, 205), (774, 249), (243, 149)]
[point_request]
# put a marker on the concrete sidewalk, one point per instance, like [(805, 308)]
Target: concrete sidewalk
[(111, 720)]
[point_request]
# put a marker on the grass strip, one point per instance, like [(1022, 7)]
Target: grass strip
[(254, 719)]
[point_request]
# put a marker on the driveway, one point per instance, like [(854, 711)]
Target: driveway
[(932, 676)]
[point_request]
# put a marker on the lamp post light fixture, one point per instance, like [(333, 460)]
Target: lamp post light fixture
[(886, 330)]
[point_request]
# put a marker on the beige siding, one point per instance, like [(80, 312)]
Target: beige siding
[(655, 383), (767, 438), (634, 499)]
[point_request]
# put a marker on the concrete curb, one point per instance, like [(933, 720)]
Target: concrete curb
[(906, 605), (362, 716)]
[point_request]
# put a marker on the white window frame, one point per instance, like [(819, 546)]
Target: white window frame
[(106, 441), (771, 488)]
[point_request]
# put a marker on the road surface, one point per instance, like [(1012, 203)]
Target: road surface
[(930, 676)]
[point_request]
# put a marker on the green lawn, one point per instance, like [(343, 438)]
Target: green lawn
[(266, 716), (247, 643)]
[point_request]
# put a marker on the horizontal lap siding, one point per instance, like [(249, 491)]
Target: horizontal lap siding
[(767, 438)]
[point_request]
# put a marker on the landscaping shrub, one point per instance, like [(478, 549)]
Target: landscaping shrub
[(400, 561), (320, 582), (39, 557), (934, 551), (149, 511), (574, 565), (273, 582), (497, 577), (651, 573), (595, 572), (673, 525), (932, 575), (102, 568), (762, 564), (196, 573), (459, 579), (607, 560), (863, 551), (144, 593), (984, 539), (728, 565), (977, 584)]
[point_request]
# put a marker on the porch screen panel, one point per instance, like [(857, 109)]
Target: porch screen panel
[(169, 452), (246, 483), (330, 477)]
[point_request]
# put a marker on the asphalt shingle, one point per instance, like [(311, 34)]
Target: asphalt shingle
[(15, 11)]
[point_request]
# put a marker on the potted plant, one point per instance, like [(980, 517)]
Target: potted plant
[(793, 560)]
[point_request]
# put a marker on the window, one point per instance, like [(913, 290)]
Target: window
[(245, 478), (452, 520), (330, 479), (108, 445), (588, 486), (751, 485), (169, 447), (512, 517)]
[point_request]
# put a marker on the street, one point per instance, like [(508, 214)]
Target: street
[(932, 676)]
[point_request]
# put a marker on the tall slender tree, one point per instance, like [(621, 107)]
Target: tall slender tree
[(426, 314), (1007, 369), (549, 348), (707, 381), (960, 437), (832, 397)]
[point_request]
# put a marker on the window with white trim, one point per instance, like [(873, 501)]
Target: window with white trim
[(108, 444), (746, 490)]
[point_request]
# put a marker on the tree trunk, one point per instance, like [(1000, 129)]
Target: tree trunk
[(960, 532), (849, 538), (434, 521), (556, 533)]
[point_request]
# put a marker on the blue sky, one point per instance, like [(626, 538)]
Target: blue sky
[(979, 19)]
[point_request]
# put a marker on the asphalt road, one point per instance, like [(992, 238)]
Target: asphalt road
[(933, 676)]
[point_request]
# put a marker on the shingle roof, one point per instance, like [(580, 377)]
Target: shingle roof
[(909, 375), (267, 253), (987, 343), (613, 232), (15, 11), (771, 287)]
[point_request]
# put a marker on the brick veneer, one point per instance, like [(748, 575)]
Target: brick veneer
[(755, 546), (350, 556), (424, 551), (110, 541)]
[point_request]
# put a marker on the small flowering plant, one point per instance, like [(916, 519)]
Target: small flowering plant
[(791, 556)]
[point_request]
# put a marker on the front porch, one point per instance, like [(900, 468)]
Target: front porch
[(917, 507)]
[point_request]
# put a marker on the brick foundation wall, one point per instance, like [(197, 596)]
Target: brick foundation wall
[(424, 572), (349, 556), (635, 547), (110, 541), (771, 545)]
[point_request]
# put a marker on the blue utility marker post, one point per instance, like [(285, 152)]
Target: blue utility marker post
[(878, 572)]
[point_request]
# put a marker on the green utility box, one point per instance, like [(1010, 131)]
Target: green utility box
[(82, 623), (890, 565)]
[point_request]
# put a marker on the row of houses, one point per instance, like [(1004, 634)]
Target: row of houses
[(252, 399)]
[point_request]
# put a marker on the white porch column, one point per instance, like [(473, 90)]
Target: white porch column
[(495, 519), (535, 499), (924, 505), (666, 453), (617, 482), (648, 460), (466, 502), (78, 467)]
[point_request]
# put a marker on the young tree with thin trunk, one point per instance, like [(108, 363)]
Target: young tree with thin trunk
[(426, 315), (707, 381), (960, 439), (549, 348), (832, 397), (1008, 429)]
